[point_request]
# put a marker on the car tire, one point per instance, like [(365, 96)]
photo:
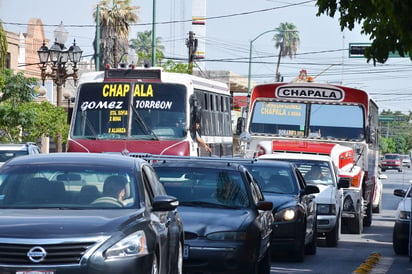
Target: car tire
[(383, 170), (298, 253), (155, 264), (177, 263), (355, 225), (367, 220), (378, 208), (400, 170), (265, 263), (400, 246), (332, 237), (310, 248)]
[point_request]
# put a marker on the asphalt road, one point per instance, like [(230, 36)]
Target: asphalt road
[(370, 252)]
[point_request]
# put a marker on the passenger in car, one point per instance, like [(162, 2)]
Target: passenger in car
[(230, 192), (315, 173), (114, 191)]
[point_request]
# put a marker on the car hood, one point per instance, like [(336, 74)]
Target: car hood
[(326, 194), (202, 221), (280, 200), (50, 223)]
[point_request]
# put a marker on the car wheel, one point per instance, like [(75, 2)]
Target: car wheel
[(265, 263), (355, 225), (378, 208), (400, 170), (298, 253), (332, 237), (399, 246), (367, 220), (383, 170), (155, 265), (177, 263), (310, 248)]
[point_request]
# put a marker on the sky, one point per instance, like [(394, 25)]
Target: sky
[(231, 25)]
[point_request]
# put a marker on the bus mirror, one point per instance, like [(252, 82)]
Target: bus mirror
[(245, 137), (240, 125)]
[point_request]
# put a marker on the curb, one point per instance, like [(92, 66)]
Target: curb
[(368, 264)]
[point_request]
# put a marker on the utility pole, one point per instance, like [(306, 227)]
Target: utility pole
[(191, 43)]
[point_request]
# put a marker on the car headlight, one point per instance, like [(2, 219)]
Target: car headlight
[(227, 236), (287, 214), (404, 215), (133, 245), (326, 209)]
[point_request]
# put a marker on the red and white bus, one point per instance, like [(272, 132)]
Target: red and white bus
[(147, 110), (323, 113)]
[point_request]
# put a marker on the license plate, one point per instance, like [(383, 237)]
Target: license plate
[(35, 272), (186, 252)]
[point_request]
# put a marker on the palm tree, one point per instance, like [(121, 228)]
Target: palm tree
[(287, 40), (143, 47), (115, 19)]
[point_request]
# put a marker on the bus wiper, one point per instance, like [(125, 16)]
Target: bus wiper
[(141, 122), (87, 122)]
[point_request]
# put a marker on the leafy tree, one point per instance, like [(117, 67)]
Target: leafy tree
[(287, 41), (143, 47), (115, 19), (176, 67), (23, 119), (386, 22)]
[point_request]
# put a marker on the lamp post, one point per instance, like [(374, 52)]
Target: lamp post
[(60, 60), (250, 60)]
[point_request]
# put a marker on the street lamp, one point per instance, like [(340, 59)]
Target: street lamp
[(60, 60), (250, 60)]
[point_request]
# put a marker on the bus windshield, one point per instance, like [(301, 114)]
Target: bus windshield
[(308, 120), (138, 111)]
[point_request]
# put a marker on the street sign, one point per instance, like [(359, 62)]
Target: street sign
[(357, 50)]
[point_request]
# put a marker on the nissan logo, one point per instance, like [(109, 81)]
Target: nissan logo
[(37, 254)]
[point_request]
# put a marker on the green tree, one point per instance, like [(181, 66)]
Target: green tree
[(142, 44), (287, 41), (386, 22), (176, 67), (115, 19), (21, 117)]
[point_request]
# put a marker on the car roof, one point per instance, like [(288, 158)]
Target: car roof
[(75, 158), (212, 163), (15, 146), (295, 156)]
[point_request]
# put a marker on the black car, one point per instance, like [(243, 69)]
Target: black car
[(227, 222), (86, 213), (294, 206)]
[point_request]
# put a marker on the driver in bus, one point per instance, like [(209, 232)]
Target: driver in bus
[(199, 139)]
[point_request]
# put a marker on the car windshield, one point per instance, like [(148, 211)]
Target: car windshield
[(272, 179), (204, 186), (392, 157), (67, 187)]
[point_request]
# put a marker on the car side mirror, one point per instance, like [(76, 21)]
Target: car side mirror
[(310, 189), (343, 183), (265, 205), (399, 192)]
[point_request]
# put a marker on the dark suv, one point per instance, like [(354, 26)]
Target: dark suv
[(391, 161), (8, 151)]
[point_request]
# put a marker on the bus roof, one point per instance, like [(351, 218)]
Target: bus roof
[(153, 74)]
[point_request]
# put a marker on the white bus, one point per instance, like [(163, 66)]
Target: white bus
[(149, 111)]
